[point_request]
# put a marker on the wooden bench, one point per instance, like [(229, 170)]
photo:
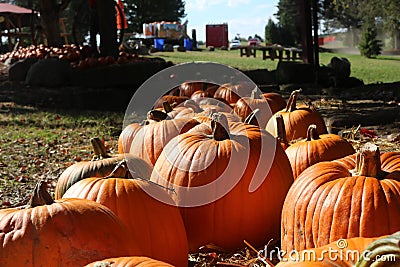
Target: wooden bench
[(247, 51), (272, 52)]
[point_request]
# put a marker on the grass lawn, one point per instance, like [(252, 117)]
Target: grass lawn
[(384, 69)]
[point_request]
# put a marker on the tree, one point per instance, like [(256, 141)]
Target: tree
[(369, 45), (272, 33), (288, 15), (139, 12)]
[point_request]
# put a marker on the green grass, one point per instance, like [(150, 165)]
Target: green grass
[(384, 69)]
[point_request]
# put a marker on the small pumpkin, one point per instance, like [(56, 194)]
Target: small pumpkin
[(355, 196), (155, 225), (297, 119), (245, 105), (316, 148), (129, 262), (171, 99), (101, 165), (214, 159), (127, 135), (66, 232), (187, 89)]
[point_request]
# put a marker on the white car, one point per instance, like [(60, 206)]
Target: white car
[(234, 44)]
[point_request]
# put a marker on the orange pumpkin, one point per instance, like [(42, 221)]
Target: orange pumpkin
[(358, 195), (155, 225), (187, 89), (232, 92), (171, 99), (67, 232), (127, 135), (297, 119), (150, 140), (205, 163), (316, 148), (276, 101), (245, 105), (129, 262)]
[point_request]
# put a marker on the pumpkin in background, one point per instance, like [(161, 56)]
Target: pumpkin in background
[(187, 89), (340, 253), (219, 104), (66, 232), (232, 92), (246, 105), (129, 262), (102, 165), (171, 99), (213, 160), (276, 101), (297, 119), (383, 252), (356, 196), (153, 224), (316, 148), (150, 140)]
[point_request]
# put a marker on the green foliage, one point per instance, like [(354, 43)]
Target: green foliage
[(272, 34), (369, 45), (288, 16), (146, 11)]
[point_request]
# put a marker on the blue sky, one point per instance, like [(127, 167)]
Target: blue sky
[(246, 17)]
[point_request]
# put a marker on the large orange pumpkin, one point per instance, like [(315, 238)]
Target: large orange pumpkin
[(230, 182), (129, 262), (67, 232), (276, 101), (340, 253), (297, 119), (127, 135), (187, 89), (101, 166), (316, 148), (232, 92), (153, 224), (358, 195)]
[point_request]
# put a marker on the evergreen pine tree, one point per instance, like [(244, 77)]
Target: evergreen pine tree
[(369, 46)]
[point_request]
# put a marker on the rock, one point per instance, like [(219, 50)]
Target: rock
[(19, 69), (49, 73), (294, 72)]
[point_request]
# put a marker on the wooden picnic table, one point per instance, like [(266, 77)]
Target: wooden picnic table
[(272, 52)]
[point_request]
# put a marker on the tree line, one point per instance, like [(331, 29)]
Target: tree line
[(337, 15)]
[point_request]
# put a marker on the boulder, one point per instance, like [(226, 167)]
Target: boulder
[(49, 73), (19, 70)]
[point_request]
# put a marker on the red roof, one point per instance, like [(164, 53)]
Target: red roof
[(9, 8)]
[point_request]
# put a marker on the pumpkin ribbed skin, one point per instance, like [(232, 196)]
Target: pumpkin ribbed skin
[(225, 221), (276, 101), (247, 105), (297, 119), (100, 168), (150, 140), (232, 92), (338, 257), (129, 262), (126, 137), (327, 202), (316, 148), (69, 232), (158, 227)]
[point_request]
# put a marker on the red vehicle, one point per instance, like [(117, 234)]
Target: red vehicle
[(254, 42)]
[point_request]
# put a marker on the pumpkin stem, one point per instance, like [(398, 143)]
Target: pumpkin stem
[(99, 150), (368, 162), (157, 115), (219, 126), (254, 94), (280, 130), (252, 117), (40, 196), (204, 87), (312, 133), (167, 107), (192, 105), (291, 105)]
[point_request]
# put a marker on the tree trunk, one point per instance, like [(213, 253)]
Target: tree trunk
[(107, 28), (50, 13)]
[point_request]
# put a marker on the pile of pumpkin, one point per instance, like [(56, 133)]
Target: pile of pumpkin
[(80, 57), (212, 165)]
